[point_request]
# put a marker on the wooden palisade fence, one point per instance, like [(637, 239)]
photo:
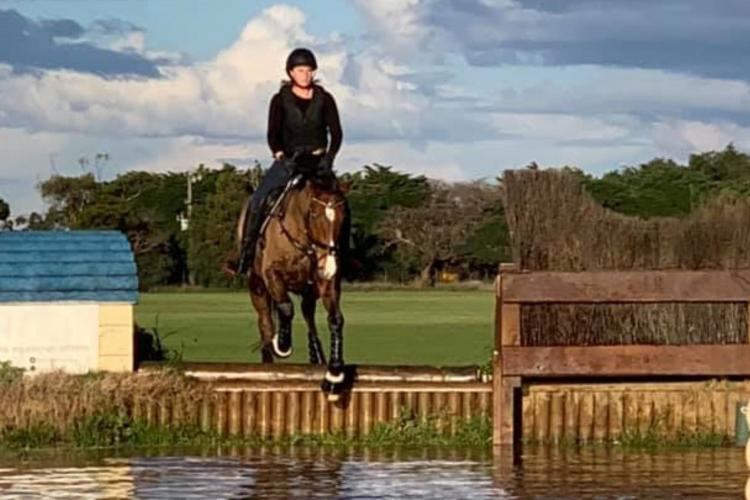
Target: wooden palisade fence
[(282, 400)]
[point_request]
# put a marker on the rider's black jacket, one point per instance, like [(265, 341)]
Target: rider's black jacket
[(295, 123)]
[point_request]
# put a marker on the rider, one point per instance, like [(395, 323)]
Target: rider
[(301, 115)]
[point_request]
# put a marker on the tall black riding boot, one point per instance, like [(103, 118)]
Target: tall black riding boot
[(250, 236)]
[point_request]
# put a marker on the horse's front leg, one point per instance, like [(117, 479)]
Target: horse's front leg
[(315, 350), (282, 340), (334, 377)]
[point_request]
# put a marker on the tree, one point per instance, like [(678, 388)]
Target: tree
[(722, 166), (67, 197), (665, 188), (433, 232), (211, 236), (488, 245), (658, 188), (375, 189), (4, 214)]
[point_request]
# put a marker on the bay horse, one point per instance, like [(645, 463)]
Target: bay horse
[(297, 252)]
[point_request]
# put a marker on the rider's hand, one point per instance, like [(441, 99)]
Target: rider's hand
[(278, 155), (326, 163)]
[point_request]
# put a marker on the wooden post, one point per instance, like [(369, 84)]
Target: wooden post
[(508, 333)]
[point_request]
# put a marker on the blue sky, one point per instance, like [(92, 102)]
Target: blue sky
[(454, 89), (170, 24)]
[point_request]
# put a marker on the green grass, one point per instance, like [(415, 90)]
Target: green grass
[(386, 327)]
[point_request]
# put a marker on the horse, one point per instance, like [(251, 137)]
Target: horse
[(297, 252)]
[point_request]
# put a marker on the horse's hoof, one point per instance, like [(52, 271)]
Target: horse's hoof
[(334, 379), (326, 386), (277, 351)]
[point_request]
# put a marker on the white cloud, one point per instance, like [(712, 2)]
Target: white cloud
[(682, 137), (594, 117), (224, 97)]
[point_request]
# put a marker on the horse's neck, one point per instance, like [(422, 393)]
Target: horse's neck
[(297, 206)]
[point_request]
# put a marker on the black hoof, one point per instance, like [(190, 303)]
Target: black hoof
[(333, 391)]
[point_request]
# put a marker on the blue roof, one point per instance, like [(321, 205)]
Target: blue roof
[(44, 266)]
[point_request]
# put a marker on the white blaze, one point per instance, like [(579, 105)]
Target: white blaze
[(329, 261), (329, 268)]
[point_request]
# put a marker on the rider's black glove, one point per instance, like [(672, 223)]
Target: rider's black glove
[(326, 163)]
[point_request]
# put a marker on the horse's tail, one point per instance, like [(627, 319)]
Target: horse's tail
[(229, 263), (240, 229)]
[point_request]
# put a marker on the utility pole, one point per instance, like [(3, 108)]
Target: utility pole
[(193, 175)]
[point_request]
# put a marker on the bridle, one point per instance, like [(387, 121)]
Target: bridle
[(309, 248)]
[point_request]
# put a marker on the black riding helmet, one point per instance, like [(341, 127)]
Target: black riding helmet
[(301, 57)]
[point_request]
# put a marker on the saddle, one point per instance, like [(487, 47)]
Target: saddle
[(274, 200)]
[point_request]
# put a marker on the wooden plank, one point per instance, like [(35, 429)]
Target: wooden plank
[(68, 269), (616, 414), (528, 419), (463, 387), (627, 286), (558, 416), (510, 327), (305, 372), (586, 417), (631, 401), (497, 402), (508, 415), (542, 416), (498, 312), (601, 416), (505, 430), (630, 360), (504, 269), (101, 284), (571, 415)]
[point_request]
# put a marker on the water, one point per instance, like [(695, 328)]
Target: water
[(321, 473)]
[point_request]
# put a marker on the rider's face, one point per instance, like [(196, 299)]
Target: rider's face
[(302, 75)]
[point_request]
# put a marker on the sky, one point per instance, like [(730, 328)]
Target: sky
[(452, 89)]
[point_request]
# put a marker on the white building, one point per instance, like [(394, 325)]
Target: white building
[(66, 300)]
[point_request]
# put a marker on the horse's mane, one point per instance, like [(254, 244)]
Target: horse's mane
[(324, 180)]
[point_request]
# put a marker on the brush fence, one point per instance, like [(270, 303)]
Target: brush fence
[(554, 392)]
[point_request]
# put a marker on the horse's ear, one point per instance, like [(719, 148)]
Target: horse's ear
[(345, 186)]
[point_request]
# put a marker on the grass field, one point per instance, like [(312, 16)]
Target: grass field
[(387, 327)]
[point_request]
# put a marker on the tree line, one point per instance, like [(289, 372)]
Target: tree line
[(404, 227)]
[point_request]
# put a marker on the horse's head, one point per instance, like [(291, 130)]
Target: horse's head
[(325, 218)]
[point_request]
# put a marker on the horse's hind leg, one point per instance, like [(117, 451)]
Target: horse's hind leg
[(263, 307), (315, 350)]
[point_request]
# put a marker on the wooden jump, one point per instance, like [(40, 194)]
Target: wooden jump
[(513, 363), (280, 399)]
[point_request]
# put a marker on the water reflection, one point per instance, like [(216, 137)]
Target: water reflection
[(362, 473)]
